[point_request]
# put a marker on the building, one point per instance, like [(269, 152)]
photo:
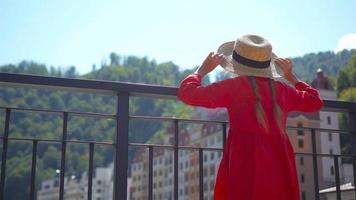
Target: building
[(73, 190), (77, 189), (196, 135), (327, 142)]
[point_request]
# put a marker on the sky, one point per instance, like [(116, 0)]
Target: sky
[(80, 33)]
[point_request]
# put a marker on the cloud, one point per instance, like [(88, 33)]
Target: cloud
[(347, 41)]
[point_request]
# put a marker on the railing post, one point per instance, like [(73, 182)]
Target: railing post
[(63, 156), (176, 144), (337, 177), (201, 174), (33, 170), (90, 173), (4, 153), (315, 165), (352, 126), (150, 172), (121, 151)]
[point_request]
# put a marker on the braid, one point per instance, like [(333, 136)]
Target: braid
[(276, 108), (260, 114)]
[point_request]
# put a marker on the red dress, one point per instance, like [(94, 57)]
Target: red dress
[(256, 164)]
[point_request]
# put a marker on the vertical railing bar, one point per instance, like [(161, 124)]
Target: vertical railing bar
[(121, 151), (315, 165), (4, 152), (150, 172), (176, 143), (63, 156), (352, 126), (33, 170), (201, 175), (337, 177), (224, 126), (354, 172), (90, 170)]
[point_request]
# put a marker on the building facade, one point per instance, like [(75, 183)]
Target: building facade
[(77, 189)]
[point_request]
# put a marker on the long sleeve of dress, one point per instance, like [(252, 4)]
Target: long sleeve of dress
[(303, 98), (193, 93)]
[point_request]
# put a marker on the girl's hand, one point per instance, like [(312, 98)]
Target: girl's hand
[(286, 66), (210, 63)]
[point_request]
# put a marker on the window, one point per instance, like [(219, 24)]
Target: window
[(301, 160), (330, 137), (212, 155), (303, 195), (332, 170), (331, 151), (212, 185), (302, 178), (329, 120), (300, 130), (212, 169), (192, 176), (205, 187), (301, 143), (219, 138)]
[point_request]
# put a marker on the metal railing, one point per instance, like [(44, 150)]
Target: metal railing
[(124, 91)]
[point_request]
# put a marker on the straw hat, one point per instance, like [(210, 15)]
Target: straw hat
[(249, 55)]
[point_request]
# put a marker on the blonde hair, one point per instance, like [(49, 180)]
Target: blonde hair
[(260, 113)]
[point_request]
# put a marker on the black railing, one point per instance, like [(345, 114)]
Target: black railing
[(124, 91)]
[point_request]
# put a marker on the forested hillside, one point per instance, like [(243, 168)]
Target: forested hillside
[(119, 68), (49, 126), (330, 62)]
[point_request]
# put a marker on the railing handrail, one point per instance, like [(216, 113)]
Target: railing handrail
[(114, 87), (86, 85)]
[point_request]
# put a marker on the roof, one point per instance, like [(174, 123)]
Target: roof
[(344, 187), (308, 115)]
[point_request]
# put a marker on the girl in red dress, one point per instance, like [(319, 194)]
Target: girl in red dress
[(258, 161)]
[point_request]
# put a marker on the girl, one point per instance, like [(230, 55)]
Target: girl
[(258, 160)]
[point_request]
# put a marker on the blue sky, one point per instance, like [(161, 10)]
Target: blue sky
[(83, 32)]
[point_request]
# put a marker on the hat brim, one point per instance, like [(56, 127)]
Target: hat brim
[(231, 65)]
